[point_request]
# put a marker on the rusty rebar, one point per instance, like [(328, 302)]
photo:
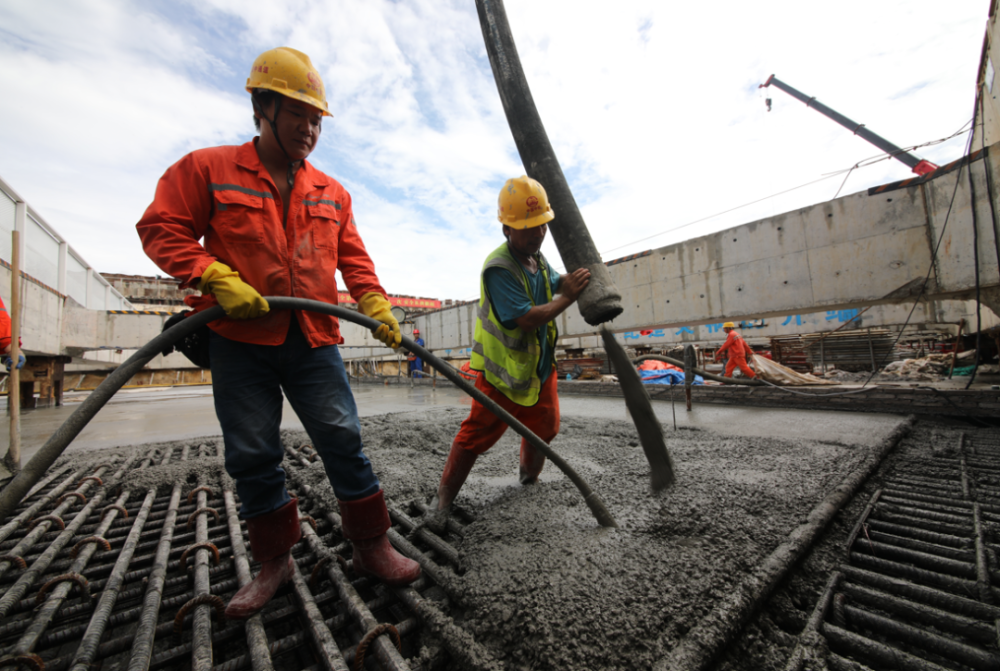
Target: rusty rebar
[(914, 611), (866, 648), (201, 643), (718, 627), (963, 653), (330, 655), (924, 516), (920, 559), (142, 648), (38, 568), (958, 554), (260, 658), (42, 527), (932, 537), (442, 547), (98, 623), (444, 577), (810, 636), (922, 576), (453, 525), (15, 522), (466, 651), (386, 653)]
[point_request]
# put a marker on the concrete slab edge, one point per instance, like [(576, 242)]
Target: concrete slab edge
[(720, 627)]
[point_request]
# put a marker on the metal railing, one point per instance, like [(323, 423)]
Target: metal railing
[(48, 259)]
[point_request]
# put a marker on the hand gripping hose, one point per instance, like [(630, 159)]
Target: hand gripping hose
[(71, 428)]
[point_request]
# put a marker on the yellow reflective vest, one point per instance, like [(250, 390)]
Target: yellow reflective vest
[(508, 357)]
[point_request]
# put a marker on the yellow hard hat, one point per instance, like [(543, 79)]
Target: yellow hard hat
[(290, 73), (523, 203), (729, 325)]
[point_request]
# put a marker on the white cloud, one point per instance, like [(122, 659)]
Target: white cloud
[(652, 109)]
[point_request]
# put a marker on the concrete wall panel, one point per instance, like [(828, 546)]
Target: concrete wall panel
[(867, 268), (955, 270)]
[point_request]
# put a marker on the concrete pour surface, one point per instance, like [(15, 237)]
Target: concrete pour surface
[(135, 416), (546, 588), (543, 586)]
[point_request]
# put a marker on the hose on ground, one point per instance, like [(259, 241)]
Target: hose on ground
[(33, 471)]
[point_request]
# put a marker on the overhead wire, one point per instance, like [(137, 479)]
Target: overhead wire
[(975, 233), (966, 160), (860, 164), (864, 163)]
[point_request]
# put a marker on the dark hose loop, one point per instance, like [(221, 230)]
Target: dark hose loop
[(33, 471)]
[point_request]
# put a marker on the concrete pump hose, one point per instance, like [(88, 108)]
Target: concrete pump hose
[(33, 471)]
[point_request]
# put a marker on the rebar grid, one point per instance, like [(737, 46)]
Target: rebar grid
[(120, 571), (919, 589)]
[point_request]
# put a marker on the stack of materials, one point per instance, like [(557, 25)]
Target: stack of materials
[(934, 366), (862, 349), (581, 368), (775, 373)]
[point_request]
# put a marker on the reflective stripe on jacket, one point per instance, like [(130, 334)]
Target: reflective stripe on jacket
[(736, 345), (226, 196), (508, 357)]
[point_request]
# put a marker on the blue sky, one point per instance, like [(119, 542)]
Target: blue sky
[(652, 108)]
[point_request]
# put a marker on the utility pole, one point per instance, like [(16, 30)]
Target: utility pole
[(13, 458)]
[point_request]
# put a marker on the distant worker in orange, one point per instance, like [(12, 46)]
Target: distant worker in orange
[(739, 351), (5, 341)]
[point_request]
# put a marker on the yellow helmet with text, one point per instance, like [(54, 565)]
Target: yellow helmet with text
[(523, 203), (290, 73)]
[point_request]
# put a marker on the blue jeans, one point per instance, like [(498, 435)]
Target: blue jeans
[(247, 381)]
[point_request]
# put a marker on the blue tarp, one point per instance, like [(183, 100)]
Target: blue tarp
[(666, 377)]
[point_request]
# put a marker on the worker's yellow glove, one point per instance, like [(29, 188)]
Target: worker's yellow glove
[(377, 307), (237, 298)]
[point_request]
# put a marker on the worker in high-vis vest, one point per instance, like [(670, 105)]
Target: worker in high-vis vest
[(513, 351)]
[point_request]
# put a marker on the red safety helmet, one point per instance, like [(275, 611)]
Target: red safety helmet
[(416, 331)]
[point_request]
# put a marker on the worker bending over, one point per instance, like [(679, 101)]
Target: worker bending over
[(274, 225), (739, 351), (513, 351)]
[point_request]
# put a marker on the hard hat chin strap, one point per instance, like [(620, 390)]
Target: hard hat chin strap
[(293, 166)]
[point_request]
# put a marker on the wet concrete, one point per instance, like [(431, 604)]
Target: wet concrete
[(543, 586), (136, 416)]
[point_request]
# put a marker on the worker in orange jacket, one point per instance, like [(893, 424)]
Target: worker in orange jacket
[(739, 351), (5, 341), (274, 225)]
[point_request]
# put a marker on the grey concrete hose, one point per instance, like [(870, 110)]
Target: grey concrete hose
[(33, 471)]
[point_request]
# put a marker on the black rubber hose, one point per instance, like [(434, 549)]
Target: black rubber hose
[(33, 471), (601, 301)]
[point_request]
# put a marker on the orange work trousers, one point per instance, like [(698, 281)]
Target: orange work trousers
[(740, 361), (482, 429)]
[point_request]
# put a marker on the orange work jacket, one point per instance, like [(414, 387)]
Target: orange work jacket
[(225, 196), (4, 326), (737, 346)]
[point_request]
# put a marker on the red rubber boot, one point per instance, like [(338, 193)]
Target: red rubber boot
[(456, 470), (272, 536), (532, 462), (365, 523)]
